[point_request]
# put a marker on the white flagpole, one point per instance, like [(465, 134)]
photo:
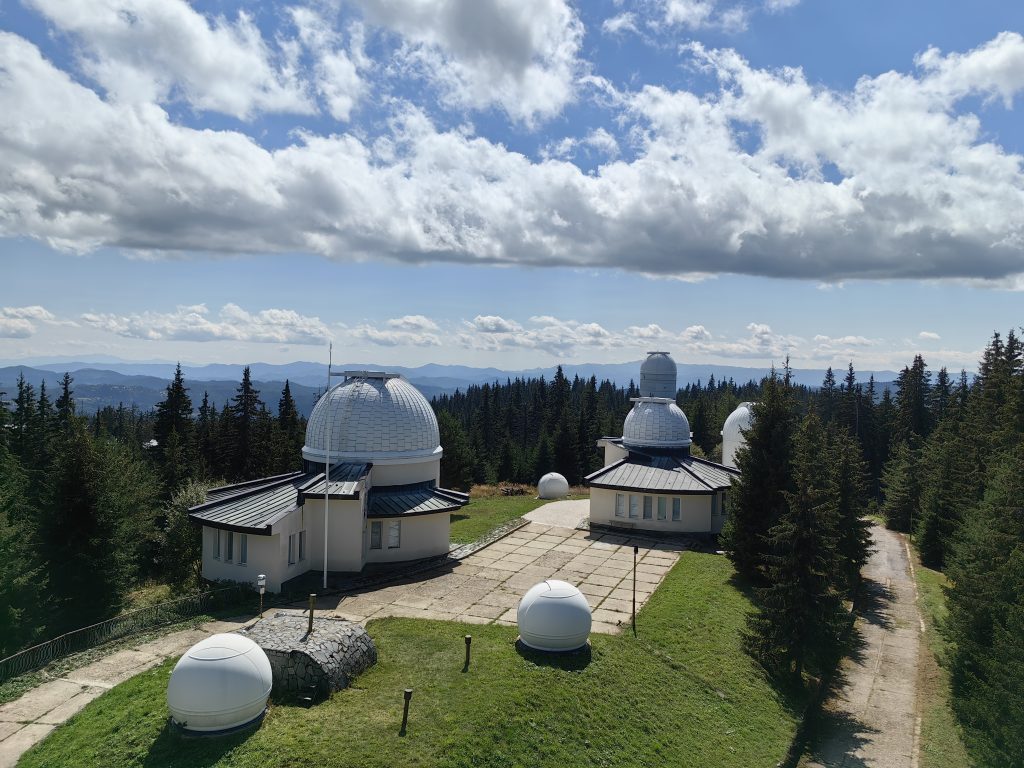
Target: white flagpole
[(327, 459)]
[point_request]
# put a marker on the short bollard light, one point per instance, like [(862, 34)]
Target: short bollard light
[(261, 582), (405, 711), (312, 605), (469, 642)]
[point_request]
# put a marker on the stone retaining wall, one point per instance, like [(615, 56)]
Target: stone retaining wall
[(326, 660)]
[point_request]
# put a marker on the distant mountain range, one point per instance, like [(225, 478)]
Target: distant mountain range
[(108, 381)]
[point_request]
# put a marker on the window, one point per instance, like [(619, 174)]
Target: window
[(723, 505), (714, 505), (634, 506), (302, 545), (243, 549), (648, 507), (216, 543), (620, 505), (395, 534), (375, 534), (676, 509), (231, 548), (662, 507), (291, 549)]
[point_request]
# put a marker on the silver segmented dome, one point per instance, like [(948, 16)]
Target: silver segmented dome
[(658, 375), (372, 415), (656, 423)]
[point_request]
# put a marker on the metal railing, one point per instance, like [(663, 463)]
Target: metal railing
[(126, 624)]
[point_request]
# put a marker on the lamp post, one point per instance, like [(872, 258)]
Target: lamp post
[(261, 582)]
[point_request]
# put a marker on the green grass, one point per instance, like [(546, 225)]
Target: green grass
[(941, 741), (682, 693), (483, 515)]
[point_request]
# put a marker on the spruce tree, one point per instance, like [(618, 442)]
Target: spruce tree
[(901, 490), (457, 459), (245, 410), (291, 431), (848, 488)]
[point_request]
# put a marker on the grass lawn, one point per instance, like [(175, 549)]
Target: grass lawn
[(683, 693), (483, 515), (941, 742)]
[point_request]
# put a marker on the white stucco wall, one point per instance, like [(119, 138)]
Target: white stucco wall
[(344, 534), (263, 557), (695, 512), (612, 452), (422, 536), (405, 474)]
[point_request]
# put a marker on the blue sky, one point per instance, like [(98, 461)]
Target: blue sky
[(511, 183)]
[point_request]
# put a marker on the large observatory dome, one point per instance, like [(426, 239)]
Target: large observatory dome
[(658, 376), (655, 422), (221, 683), (554, 616), (732, 432), (372, 417)]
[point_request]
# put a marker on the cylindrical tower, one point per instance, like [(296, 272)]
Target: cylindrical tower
[(658, 376)]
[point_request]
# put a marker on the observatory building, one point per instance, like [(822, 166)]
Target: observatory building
[(650, 480), (378, 436)]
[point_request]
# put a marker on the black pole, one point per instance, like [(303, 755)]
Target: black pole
[(405, 711), (636, 550), (469, 641)]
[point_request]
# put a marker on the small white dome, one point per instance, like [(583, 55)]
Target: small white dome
[(372, 417), (554, 616), (553, 486), (732, 432), (658, 375), (655, 422), (221, 683)]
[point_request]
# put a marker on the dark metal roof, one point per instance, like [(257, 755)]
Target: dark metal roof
[(418, 499), (666, 474), (252, 509), (233, 490), (345, 482)]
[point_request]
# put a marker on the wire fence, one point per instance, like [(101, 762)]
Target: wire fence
[(130, 623)]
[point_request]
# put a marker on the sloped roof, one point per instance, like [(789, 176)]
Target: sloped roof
[(236, 488), (346, 482), (664, 474), (417, 499)]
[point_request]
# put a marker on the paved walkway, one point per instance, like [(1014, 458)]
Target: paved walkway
[(568, 513), (871, 718), (28, 720)]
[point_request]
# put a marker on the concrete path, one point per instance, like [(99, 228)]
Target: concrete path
[(568, 513), (28, 720), (871, 716)]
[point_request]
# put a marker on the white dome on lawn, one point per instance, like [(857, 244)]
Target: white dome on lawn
[(554, 616), (553, 486), (221, 683), (732, 432), (658, 376), (655, 422), (372, 416)]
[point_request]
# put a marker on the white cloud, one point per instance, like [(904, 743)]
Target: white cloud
[(144, 51), (519, 55), (394, 337), (22, 322), (195, 323), (15, 328), (929, 336), (494, 324), (413, 323), (775, 6), (623, 22), (337, 70)]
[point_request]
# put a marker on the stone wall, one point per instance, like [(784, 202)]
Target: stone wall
[(325, 661)]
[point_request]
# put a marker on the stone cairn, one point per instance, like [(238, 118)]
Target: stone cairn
[(315, 664)]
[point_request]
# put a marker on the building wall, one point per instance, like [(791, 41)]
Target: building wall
[(696, 512), (421, 536), (263, 557), (405, 474), (612, 452), (344, 534)]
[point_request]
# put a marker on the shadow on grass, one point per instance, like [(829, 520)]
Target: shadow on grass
[(457, 518), (571, 661), (172, 748)]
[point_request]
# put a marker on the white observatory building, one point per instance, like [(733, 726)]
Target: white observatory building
[(738, 422), (650, 481), (379, 437)]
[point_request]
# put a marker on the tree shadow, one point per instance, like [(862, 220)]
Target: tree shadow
[(872, 603), (570, 661), (172, 747), (457, 517), (835, 738)]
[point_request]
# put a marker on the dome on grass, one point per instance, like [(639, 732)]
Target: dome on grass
[(553, 486), (554, 616), (732, 433), (372, 416), (655, 422), (221, 683)]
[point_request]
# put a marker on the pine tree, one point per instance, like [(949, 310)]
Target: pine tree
[(292, 432), (182, 545), (65, 403), (245, 411), (800, 616), (457, 459), (848, 489), (901, 490), (827, 397)]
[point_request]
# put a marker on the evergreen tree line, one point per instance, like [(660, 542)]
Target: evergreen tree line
[(90, 508)]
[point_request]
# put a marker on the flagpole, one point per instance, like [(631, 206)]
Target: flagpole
[(327, 458)]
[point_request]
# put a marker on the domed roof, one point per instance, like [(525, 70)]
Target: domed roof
[(554, 616), (221, 683), (658, 375), (732, 432), (656, 422), (372, 417), (552, 486)]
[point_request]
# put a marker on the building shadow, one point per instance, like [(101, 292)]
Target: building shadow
[(571, 661), (173, 748)]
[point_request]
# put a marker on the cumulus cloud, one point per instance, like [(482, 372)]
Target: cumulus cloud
[(22, 322), (929, 336), (623, 22), (394, 336), (767, 174), (413, 323), (232, 323)]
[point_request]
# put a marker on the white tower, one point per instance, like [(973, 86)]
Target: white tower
[(658, 376), (732, 436)]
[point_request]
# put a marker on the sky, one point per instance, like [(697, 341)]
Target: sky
[(511, 183)]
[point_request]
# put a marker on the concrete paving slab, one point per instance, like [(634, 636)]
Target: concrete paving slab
[(22, 740)]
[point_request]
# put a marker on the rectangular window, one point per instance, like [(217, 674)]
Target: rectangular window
[(395, 534), (231, 547), (216, 543), (375, 534), (676, 509), (662, 508), (634, 506), (620, 505), (243, 549), (302, 545), (291, 549), (648, 507)]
